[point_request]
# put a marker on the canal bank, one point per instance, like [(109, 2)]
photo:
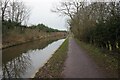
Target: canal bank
[(7, 42), (54, 67)]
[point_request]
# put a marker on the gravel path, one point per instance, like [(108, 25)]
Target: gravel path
[(79, 65)]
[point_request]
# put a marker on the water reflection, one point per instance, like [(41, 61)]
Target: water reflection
[(10, 53), (18, 61), (15, 67)]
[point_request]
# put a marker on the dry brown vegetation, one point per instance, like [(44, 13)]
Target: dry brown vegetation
[(15, 37)]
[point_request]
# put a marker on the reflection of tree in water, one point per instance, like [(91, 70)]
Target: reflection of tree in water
[(15, 60), (16, 67), (11, 53)]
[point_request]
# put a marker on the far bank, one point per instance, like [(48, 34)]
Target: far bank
[(13, 35)]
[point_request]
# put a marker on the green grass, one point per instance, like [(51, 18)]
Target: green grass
[(54, 66), (103, 59)]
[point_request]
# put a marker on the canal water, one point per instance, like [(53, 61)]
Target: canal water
[(23, 61)]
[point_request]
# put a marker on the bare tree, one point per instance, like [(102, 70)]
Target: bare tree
[(68, 8), (4, 5), (14, 10), (71, 9), (19, 11)]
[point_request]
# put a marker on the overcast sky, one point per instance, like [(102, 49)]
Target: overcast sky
[(41, 13)]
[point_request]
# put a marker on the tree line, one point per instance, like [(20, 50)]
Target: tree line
[(45, 28), (15, 14), (97, 23)]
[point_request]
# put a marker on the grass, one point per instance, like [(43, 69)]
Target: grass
[(54, 67), (103, 59)]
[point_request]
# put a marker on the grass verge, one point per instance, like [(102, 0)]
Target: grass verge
[(54, 66), (103, 59)]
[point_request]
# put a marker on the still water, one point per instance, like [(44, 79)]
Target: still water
[(23, 61)]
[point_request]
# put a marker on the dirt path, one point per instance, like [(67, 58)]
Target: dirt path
[(79, 65)]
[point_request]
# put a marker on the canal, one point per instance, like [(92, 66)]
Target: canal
[(23, 61)]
